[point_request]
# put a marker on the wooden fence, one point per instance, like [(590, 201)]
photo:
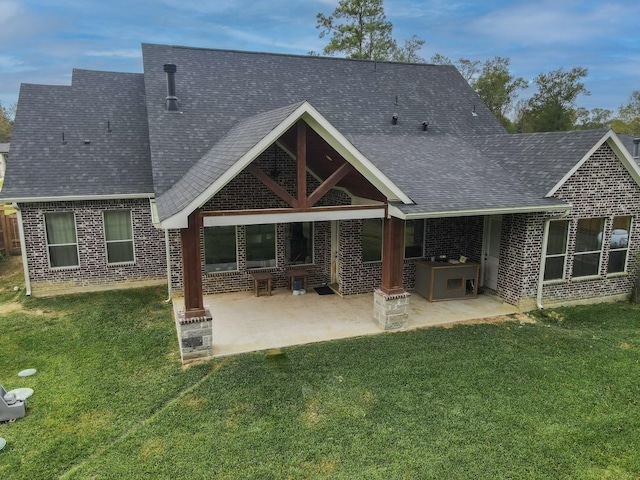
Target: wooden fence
[(9, 234)]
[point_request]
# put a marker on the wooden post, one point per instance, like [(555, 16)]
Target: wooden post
[(392, 256), (192, 267), (301, 154)]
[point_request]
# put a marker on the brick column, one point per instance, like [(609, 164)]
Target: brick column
[(391, 302)]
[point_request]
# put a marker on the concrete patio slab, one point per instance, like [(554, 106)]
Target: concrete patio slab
[(245, 323)]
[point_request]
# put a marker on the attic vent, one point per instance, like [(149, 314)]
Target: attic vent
[(172, 101), (636, 148)]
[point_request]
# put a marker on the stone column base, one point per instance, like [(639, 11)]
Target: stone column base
[(195, 336), (391, 311)]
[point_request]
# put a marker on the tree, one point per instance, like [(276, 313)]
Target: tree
[(360, 29), (493, 81), (469, 69), (594, 118), (552, 107), (498, 88), (628, 120), (6, 122)]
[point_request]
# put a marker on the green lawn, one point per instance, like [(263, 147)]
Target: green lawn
[(556, 399)]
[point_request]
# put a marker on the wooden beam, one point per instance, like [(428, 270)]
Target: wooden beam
[(271, 211), (329, 183), (192, 267), (301, 156), (392, 256), (272, 185)]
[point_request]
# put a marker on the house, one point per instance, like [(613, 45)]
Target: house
[(213, 165)]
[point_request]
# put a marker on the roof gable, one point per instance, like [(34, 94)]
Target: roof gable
[(242, 145), (619, 149)]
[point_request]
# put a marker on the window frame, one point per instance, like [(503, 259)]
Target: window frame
[(273, 262), (564, 254), (378, 260), (235, 238), (107, 242), (49, 244), (600, 252), (625, 269)]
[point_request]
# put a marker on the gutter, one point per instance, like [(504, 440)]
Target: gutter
[(23, 250), (543, 257), (166, 242)]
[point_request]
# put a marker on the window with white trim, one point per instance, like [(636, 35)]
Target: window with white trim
[(261, 245), (556, 254), (220, 249), (372, 240), (588, 252), (619, 244), (62, 243), (413, 238), (118, 234)]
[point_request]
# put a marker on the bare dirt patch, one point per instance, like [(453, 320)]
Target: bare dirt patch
[(9, 307), (517, 317)]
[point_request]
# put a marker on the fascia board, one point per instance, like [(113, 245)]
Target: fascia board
[(224, 220), (76, 198), (396, 212)]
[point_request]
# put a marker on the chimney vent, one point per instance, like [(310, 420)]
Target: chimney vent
[(172, 101), (636, 148)]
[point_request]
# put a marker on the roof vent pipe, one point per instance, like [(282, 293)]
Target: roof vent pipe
[(636, 149), (172, 101)]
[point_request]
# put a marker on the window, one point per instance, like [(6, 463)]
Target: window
[(372, 240), (413, 238), (62, 243), (556, 254), (298, 243), (261, 246), (118, 233), (586, 260), (619, 244), (220, 252)]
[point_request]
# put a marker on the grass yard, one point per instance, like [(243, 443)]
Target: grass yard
[(556, 399)]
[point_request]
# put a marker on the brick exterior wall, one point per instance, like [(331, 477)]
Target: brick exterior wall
[(149, 248), (601, 187), (245, 191)]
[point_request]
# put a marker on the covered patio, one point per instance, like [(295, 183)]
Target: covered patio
[(245, 323)]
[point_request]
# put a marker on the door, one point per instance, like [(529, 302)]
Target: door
[(491, 251), (334, 252)]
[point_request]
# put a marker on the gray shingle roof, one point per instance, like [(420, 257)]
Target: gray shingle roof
[(538, 160), (443, 173), (217, 89), (113, 163), (222, 156)]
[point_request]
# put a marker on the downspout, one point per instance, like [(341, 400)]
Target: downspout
[(166, 242), (543, 257), (23, 250)]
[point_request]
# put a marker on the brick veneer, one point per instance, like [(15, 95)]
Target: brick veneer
[(93, 272), (245, 191), (601, 187)]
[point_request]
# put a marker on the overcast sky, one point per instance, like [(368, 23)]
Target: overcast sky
[(41, 41)]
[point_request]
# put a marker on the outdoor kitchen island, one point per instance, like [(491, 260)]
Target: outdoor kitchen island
[(438, 281)]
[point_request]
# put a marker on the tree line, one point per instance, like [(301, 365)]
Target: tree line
[(360, 29)]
